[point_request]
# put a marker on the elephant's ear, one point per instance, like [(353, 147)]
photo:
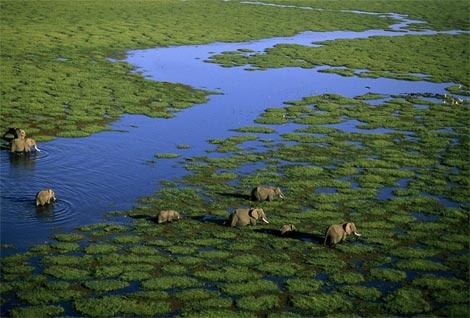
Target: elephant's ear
[(254, 213), (347, 227)]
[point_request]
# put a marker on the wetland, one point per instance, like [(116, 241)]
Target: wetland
[(383, 143)]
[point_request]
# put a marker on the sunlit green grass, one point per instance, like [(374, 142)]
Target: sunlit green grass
[(71, 74)]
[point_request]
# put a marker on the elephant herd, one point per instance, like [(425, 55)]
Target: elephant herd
[(334, 234), (19, 144)]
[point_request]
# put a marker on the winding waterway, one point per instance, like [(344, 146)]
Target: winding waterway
[(109, 171)]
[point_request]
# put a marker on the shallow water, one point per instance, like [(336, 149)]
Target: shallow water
[(109, 171)]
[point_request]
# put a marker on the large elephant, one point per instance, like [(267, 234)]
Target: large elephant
[(167, 216), (242, 217), (44, 197), (263, 193), (337, 233), (19, 145)]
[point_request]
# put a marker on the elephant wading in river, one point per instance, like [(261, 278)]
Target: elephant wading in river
[(167, 216), (337, 233), (44, 197), (263, 193), (30, 142), (242, 217), (19, 146)]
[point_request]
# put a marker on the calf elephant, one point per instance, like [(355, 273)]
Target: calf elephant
[(44, 197), (30, 142), (242, 217), (263, 193), (287, 229), (337, 233), (167, 216)]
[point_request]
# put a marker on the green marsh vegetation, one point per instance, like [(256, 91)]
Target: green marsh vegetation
[(68, 87), (413, 253), (412, 258)]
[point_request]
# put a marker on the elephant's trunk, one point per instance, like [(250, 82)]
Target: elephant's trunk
[(264, 220)]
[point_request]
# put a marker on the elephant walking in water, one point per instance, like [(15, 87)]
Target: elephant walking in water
[(20, 144), (30, 142), (263, 193), (242, 217), (337, 233), (44, 197)]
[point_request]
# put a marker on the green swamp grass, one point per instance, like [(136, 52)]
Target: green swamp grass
[(70, 72)]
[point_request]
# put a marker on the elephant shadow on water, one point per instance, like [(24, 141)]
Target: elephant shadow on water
[(302, 236)]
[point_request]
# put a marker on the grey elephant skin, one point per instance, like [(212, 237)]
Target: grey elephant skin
[(266, 193), (337, 233), (167, 216), (287, 229), (44, 197), (243, 217)]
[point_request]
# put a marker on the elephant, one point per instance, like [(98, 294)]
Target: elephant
[(167, 216), (44, 197), (337, 233), (286, 229), (263, 193), (19, 145), (15, 132), (30, 142), (242, 217)]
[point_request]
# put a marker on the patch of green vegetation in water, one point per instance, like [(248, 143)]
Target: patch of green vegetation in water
[(250, 287), (321, 304), (106, 285), (257, 303), (37, 311), (166, 155), (112, 306), (406, 301)]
